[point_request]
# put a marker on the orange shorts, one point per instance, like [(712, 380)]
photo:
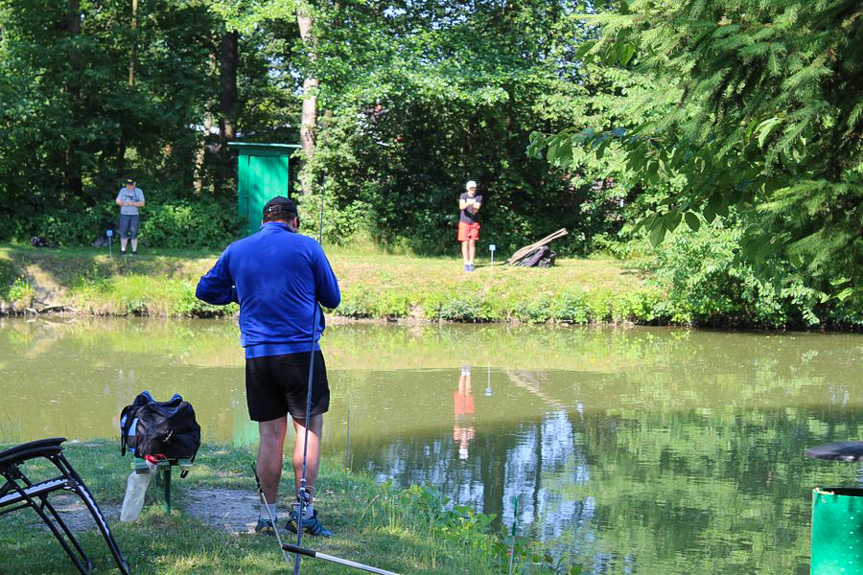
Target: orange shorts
[(468, 231)]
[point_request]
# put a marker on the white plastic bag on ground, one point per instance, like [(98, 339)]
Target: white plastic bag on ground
[(136, 489)]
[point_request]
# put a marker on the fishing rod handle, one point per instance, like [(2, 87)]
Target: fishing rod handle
[(333, 559), (298, 549)]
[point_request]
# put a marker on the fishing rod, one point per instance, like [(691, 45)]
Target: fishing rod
[(303, 494), (267, 507), (512, 546), (318, 555)]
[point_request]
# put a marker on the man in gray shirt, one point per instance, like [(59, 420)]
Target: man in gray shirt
[(130, 198)]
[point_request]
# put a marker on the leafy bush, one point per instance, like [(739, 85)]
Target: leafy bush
[(21, 291), (60, 226), (342, 224), (708, 284), (357, 302), (468, 308), (183, 224)]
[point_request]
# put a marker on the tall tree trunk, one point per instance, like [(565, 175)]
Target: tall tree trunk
[(309, 117), (201, 154), (133, 67), (228, 57), (71, 180), (133, 56)]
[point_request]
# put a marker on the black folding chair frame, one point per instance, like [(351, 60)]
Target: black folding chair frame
[(19, 492)]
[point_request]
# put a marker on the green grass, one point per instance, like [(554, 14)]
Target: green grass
[(374, 284), (407, 531)]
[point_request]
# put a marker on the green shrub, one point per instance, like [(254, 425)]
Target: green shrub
[(391, 305), (470, 308), (357, 302), (537, 310), (180, 225), (707, 284), (342, 224), (189, 306), (21, 291), (61, 226), (571, 307)]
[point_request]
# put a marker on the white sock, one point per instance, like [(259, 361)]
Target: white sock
[(264, 515), (308, 510)]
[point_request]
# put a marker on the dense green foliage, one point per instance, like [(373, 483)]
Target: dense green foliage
[(76, 123), (439, 93), (753, 115), (618, 120), (415, 98)]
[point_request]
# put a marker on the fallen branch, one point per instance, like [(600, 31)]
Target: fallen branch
[(527, 250)]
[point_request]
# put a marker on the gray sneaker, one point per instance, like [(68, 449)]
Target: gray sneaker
[(312, 525)]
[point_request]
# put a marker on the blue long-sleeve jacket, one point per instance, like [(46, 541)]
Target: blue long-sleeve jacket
[(278, 277)]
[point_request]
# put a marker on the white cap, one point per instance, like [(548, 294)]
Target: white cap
[(470, 184)]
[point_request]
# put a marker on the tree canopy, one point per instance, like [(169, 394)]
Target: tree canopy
[(754, 110), (619, 120)]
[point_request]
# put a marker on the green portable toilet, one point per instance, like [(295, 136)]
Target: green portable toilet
[(837, 516), (262, 173)]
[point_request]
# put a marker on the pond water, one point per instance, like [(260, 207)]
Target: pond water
[(651, 451)]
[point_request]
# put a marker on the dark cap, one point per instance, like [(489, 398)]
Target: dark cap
[(130, 180), (280, 205)]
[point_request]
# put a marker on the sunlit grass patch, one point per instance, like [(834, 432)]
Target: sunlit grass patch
[(375, 285), (405, 531)]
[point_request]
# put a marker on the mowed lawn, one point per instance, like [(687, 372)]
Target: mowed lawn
[(374, 285)]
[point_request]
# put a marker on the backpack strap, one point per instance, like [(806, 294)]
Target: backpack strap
[(126, 418), (128, 413), (185, 472)]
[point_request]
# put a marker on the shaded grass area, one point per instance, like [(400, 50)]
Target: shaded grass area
[(408, 531), (374, 285)]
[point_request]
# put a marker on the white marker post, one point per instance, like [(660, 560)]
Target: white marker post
[(491, 248), (110, 234)]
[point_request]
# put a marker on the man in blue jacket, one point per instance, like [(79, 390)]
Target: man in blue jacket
[(280, 278)]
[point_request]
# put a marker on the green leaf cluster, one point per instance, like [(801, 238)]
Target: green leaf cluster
[(751, 107)]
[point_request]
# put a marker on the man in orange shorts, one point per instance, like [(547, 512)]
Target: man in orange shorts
[(468, 223)]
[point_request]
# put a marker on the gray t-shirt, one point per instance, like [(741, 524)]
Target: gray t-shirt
[(466, 215), (125, 195)]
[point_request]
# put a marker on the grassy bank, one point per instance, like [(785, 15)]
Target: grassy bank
[(375, 285), (409, 531)]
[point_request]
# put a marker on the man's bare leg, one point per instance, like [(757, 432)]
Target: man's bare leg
[(313, 455), (270, 456)]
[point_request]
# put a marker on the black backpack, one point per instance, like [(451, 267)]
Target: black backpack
[(542, 257), (150, 427)]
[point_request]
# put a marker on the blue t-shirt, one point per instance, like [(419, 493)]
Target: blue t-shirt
[(278, 277), (127, 195)]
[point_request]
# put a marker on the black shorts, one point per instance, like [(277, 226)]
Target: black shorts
[(278, 384)]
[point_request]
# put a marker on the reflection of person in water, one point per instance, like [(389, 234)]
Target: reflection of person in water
[(463, 408)]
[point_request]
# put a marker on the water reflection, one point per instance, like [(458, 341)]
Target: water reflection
[(643, 450), (463, 408)]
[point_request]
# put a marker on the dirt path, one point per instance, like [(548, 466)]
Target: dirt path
[(232, 510)]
